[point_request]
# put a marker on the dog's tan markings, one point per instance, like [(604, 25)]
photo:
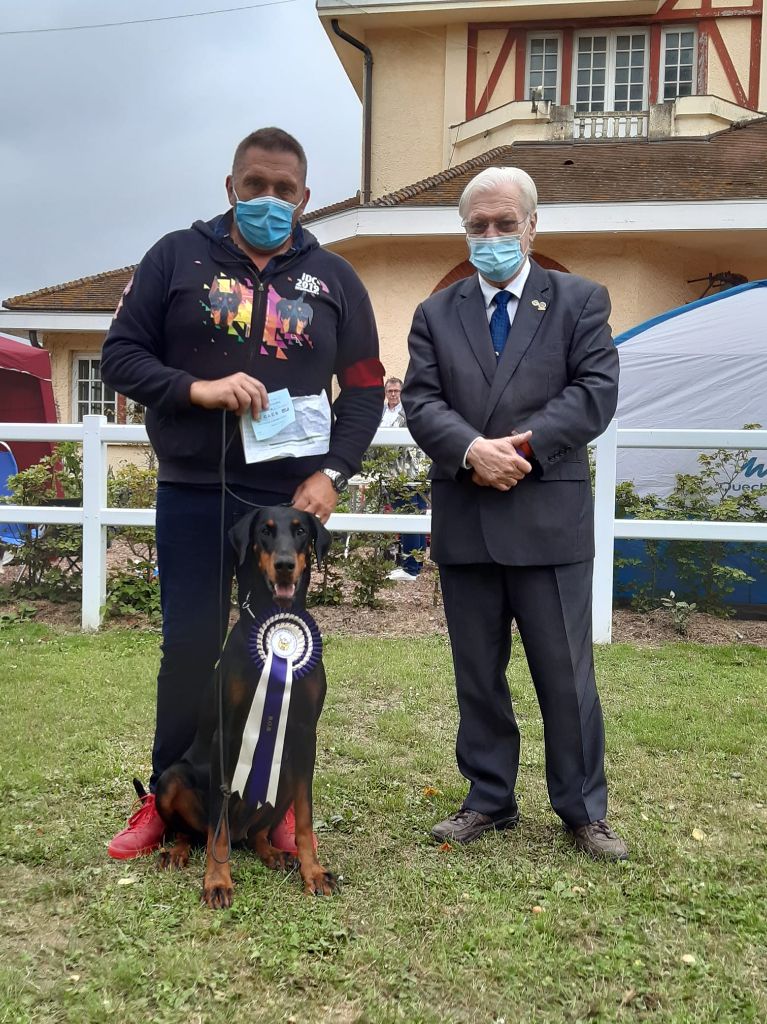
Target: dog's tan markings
[(181, 808), (178, 855), (266, 564), (238, 690), (273, 858), (217, 887), (300, 564), (318, 881)]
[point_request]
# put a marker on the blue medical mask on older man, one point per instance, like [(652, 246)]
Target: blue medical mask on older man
[(497, 259), (265, 222)]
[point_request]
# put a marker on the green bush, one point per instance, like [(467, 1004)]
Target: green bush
[(134, 589), (702, 570), (51, 556)]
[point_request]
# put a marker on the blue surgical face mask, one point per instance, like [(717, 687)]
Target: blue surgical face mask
[(265, 222), (498, 258)]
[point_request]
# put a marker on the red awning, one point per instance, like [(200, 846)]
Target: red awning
[(26, 395)]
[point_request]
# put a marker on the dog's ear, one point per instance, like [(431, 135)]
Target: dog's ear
[(321, 537), (240, 534)]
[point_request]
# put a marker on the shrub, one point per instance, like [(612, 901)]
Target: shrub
[(51, 556), (702, 569)]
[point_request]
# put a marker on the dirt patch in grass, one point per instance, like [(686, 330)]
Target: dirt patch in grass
[(35, 924), (415, 610)]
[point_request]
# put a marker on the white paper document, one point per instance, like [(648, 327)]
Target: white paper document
[(274, 419), (307, 433)]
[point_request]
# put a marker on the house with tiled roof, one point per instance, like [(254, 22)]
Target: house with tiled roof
[(642, 123)]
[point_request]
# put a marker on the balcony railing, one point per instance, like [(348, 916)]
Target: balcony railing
[(611, 124)]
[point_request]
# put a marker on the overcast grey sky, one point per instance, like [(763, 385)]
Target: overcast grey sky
[(111, 137)]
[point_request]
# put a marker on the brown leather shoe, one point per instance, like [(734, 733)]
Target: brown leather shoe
[(599, 841), (466, 825)]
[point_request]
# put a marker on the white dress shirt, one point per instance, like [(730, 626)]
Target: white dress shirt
[(489, 292), (390, 415), (514, 287)]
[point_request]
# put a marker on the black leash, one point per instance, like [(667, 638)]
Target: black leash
[(225, 788)]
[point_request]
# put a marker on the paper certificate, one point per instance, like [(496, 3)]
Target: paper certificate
[(307, 433), (279, 414)]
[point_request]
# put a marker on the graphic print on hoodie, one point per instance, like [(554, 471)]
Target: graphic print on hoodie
[(197, 309)]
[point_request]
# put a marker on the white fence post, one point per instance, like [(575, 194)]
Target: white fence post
[(604, 534), (94, 533)]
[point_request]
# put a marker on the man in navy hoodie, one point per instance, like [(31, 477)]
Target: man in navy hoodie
[(217, 317)]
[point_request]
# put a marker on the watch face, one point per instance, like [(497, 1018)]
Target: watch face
[(339, 481)]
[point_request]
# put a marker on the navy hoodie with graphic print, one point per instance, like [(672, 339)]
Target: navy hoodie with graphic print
[(197, 309)]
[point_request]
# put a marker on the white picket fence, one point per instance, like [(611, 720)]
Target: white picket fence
[(95, 516)]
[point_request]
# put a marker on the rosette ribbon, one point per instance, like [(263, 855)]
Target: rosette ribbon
[(285, 647)]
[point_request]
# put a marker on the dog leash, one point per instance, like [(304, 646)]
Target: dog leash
[(225, 789)]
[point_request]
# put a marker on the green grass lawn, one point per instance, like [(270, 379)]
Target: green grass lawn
[(417, 933)]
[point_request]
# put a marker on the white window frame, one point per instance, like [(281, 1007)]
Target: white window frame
[(662, 68), (76, 357), (543, 35), (612, 35)]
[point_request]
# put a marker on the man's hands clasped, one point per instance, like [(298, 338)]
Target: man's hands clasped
[(496, 463)]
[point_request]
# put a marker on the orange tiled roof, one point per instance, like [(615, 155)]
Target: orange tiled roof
[(99, 293), (328, 211), (732, 164)]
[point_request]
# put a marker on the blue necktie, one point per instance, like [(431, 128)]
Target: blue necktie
[(499, 322)]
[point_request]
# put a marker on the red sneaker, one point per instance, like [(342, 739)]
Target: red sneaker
[(283, 835), (143, 832)]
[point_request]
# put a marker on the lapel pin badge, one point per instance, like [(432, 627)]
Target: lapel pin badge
[(539, 305)]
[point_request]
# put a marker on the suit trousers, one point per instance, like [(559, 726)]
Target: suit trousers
[(552, 608)]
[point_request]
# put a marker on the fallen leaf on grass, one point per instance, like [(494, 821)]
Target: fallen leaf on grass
[(431, 791), (698, 835), (629, 996), (445, 848), (688, 958), (74, 977), (537, 910), (126, 881), (578, 889)]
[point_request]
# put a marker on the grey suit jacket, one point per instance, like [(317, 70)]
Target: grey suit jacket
[(557, 376)]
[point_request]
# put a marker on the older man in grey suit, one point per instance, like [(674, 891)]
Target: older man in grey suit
[(512, 372)]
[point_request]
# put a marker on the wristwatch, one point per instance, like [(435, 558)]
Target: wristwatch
[(338, 480)]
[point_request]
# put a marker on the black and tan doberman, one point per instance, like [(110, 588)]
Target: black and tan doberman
[(276, 543)]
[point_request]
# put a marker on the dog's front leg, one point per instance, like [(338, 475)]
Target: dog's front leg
[(318, 881), (217, 888)]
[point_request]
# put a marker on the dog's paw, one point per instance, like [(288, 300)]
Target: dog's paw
[(176, 857), (217, 895), (179, 857), (277, 860), (318, 881)]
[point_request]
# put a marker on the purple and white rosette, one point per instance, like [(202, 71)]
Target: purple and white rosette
[(284, 646)]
